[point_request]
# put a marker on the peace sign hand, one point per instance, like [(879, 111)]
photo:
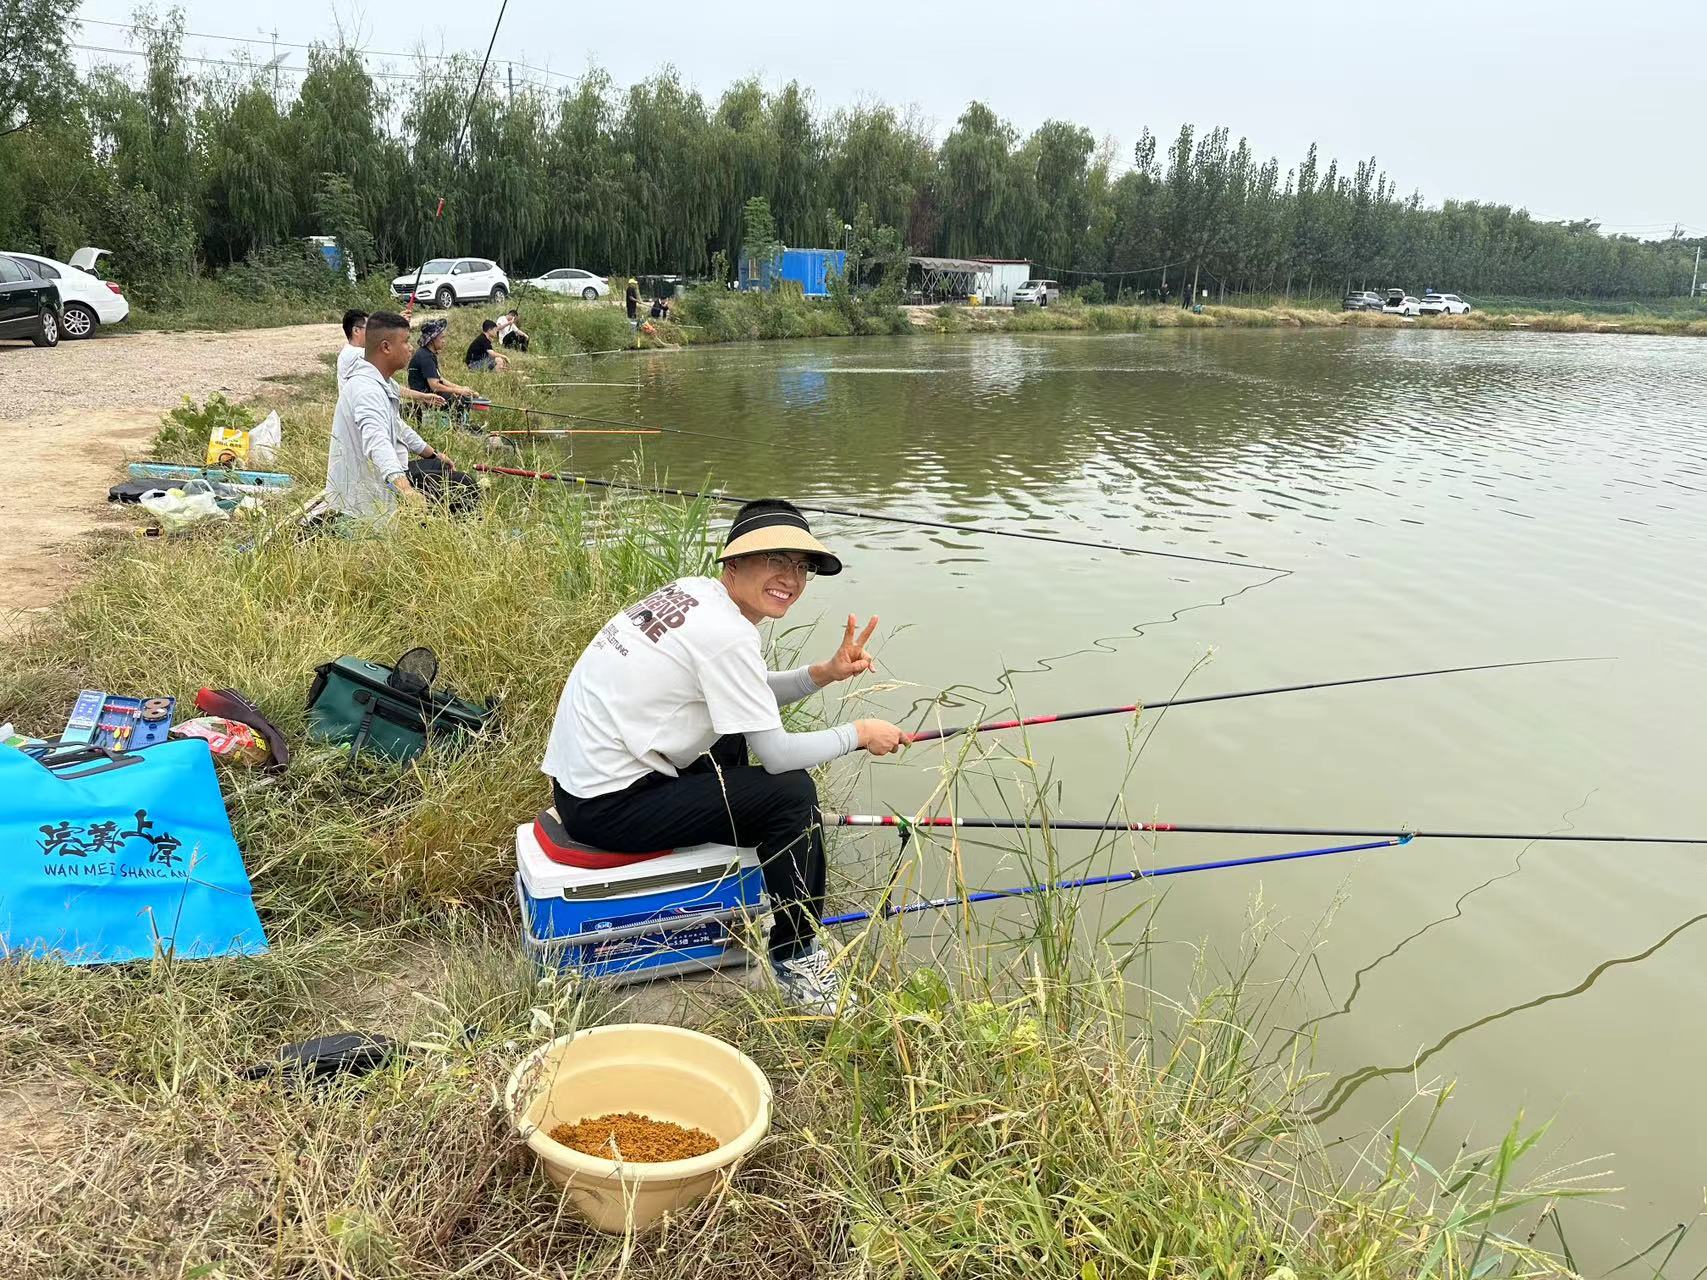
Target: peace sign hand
[(850, 658)]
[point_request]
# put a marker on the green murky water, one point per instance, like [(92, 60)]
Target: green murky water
[(1443, 499)]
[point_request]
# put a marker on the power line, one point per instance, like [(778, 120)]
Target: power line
[(296, 44), (254, 66)]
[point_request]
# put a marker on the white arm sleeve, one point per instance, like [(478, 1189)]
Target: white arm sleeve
[(373, 427), (791, 686), (783, 752), (410, 438)]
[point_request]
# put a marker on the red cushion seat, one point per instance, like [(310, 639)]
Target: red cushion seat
[(560, 847)]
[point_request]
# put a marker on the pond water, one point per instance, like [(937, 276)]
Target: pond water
[(1441, 499)]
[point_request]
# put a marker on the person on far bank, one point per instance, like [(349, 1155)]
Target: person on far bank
[(649, 746), (367, 462), (480, 358), (424, 374), (631, 300), (354, 351), (510, 332)]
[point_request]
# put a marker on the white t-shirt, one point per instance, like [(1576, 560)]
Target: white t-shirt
[(348, 358), (658, 685)]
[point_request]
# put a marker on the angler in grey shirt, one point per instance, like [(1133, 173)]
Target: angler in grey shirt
[(367, 464)]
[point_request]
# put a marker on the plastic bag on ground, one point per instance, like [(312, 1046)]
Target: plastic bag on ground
[(177, 510), (264, 439)]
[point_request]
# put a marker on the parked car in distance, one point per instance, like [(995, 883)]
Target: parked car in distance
[(29, 304), (1038, 293), (1362, 300), (448, 281), (1400, 303), (572, 282), (85, 301), (661, 286), (1443, 304)]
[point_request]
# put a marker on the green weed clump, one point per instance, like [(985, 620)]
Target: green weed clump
[(710, 314)]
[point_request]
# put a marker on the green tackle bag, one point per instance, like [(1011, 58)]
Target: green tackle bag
[(393, 710)]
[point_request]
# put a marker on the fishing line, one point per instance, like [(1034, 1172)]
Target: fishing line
[(1341, 1091), (1457, 914), (717, 495)]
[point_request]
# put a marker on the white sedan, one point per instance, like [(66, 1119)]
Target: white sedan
[(1443, 304), (1401, 304), (572, 281), (86, 300)]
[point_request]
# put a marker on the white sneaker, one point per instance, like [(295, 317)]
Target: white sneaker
[(808, 982)]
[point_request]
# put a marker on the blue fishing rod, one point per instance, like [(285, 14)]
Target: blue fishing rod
[(1118, 877)]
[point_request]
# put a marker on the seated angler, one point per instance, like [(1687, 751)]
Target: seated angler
[(650, 744), (425, 376)]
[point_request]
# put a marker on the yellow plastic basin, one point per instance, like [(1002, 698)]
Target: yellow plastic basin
[(666, 1073)]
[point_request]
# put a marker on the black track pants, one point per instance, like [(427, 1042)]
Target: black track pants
[(721, 799)]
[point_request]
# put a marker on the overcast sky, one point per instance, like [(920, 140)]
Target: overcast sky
[(1568, 108)]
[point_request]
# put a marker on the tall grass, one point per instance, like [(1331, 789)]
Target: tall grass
[(1009, 1102)]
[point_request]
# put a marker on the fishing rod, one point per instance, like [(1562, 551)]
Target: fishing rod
[(717, 495), (1118, 877), (456, 151), (933, 735), (1191, 828), (576, 431), (609, 422)]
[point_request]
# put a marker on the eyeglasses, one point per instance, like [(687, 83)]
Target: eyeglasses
[(776, 562)]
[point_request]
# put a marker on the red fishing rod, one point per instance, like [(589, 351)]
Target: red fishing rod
[(932, 735), (456, 151), (717, 495), (1194, 828)]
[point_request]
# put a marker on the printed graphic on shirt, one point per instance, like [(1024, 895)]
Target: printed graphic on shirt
[(661, 612)]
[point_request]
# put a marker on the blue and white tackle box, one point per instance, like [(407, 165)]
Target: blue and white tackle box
[(679, 912)]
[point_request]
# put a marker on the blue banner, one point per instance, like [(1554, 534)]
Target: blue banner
[(108, 858)]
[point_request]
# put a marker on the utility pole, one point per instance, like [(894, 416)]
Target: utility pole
[(510, 76), (1696, 274), (275, 64)]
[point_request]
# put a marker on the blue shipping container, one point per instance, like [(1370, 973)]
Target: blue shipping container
[(806, 267)]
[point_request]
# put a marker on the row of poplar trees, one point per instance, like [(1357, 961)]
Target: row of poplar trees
[(183, 167)]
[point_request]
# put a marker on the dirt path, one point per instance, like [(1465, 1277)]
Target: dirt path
[(73, 415)]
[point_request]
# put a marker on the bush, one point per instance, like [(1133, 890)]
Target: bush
[(184, 432), (1093, 294), (294, 270)]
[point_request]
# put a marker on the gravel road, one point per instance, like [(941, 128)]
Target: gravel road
[(71, 416)]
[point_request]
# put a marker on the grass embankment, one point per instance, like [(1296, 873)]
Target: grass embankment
[(997, 1114), (1071, 315), (248, 297)]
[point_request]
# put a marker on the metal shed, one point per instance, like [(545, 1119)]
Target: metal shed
[(945, 278), (999, 278)]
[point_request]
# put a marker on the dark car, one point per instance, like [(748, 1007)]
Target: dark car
[(29, 305), (1362, 300)]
